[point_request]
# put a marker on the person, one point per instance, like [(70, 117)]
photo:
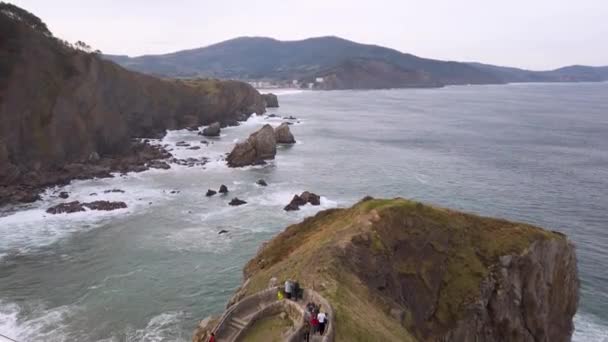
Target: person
[(288, 288), (314, 322), (296, 291), (306, 331), (280, 295), (212, 338), (322, 318)]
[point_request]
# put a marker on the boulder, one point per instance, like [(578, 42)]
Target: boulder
[(223, 189), (299, 200), (236, 202), (260, 146), (212, 130), (283, 134), (261, 182), (210, 193), (114, 191), (271, 100), (64, 195), (182, 144), (194, 148)]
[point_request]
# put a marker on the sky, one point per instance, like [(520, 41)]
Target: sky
[(532, 34)]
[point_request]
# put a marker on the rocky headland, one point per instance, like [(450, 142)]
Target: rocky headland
[(65, 113), (399, 270)]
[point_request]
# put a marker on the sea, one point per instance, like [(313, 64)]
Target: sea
[(536, 153)]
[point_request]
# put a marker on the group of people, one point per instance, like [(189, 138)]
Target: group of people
[(315, 321)]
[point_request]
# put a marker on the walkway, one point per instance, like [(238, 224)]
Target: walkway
[(241, 316)]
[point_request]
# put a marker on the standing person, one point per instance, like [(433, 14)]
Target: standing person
[(212, 337), (314, 322), (322, 317), (296, 291), (288, 288), (306, 331)]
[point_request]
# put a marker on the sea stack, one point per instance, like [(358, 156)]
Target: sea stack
[(283, 134), (260, 146), (271, 100)]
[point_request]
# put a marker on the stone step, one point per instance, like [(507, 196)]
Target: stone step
[(236, 323)]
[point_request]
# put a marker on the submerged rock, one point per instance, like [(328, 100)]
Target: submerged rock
[(158, 164), (271, 100), (113, 191), (283, 134), (236, 202), (261, 182), (260, 146), (210, 193), (223, 231), (76, 206), (64, 195), (212, 130)]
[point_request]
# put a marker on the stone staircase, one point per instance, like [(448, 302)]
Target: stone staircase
[(237, 319)]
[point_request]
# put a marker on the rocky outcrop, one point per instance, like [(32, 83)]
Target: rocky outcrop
[(303, 199), (62, 106), (236, 202), (76, 206), (212, 130), (271, 100), (283, 134), (419, 272), (260, 146)]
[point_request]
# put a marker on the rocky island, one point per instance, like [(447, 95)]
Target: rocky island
[(399, 270)]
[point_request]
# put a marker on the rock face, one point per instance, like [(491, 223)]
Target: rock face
[(283, 134), (212, 130), (85, 106), (423, 273), (271, 100), (260, 146), (75, 206)]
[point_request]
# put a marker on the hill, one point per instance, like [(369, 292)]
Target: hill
[(250, 58), (258, 58), (67, 113), (398, 270)]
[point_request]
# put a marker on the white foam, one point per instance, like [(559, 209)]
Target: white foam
[(42, 324), (589, 329), (163, 327), (288, 91)]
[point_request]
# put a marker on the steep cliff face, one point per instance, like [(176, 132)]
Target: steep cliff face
[(397, 270), (59, 105)]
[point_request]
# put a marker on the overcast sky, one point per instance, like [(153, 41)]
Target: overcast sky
[(536, 34)]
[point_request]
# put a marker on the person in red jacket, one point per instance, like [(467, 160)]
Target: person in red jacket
[(314, 322), (212, 338)]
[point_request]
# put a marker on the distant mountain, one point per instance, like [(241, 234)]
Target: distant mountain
[(254, 58), (347, 64), (575, 73)]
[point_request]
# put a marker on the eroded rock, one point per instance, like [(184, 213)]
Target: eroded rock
[(283, 134), (271, 100), (212, 130), (260, 146)]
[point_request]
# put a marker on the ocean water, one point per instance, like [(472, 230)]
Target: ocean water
[(536, 153)]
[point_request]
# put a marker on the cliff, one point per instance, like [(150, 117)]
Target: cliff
[(398, 270), (60, 105)]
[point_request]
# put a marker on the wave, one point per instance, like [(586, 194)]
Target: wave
[(41, 324), (589, 329)]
